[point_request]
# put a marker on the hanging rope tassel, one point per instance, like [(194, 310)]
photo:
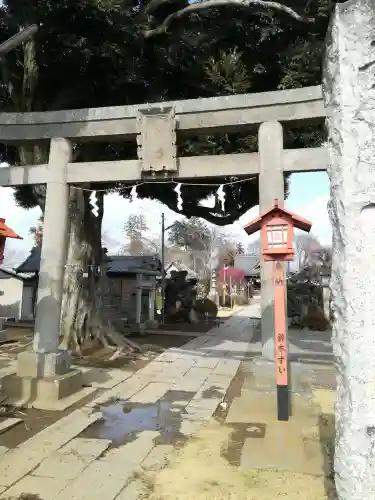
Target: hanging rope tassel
[(177, 190), (221, 196), (94, 204), (134, 194)]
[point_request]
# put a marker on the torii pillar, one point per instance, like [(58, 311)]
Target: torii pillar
[(271, 187), (43, 374)]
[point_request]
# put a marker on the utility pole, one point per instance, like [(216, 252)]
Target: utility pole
[(225, 267), (213, 289), (163, 230), (162, 267)]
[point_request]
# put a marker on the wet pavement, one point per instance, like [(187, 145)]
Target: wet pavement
[(167, 401), (123, 421), (239, 432), (35, 421), (246, 429)]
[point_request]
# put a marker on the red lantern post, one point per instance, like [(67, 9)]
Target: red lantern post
[(277, 227), (5, 232)]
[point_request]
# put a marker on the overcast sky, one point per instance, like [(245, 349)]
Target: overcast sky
[(309, 194)]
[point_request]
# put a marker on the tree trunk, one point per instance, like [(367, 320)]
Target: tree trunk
[(81, 300), (349, 95), (84, 314)]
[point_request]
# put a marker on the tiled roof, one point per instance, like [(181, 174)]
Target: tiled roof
[(180, 266), (117, 264), (149, 264), (9, 273), (32, 263)]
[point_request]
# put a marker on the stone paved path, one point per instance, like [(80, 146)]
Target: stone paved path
[(56, 464)]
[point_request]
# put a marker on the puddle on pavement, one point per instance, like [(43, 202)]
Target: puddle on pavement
[(233, 391), (122, 421), (240, 433)]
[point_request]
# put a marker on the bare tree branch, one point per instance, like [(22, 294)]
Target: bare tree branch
[(207, 4)]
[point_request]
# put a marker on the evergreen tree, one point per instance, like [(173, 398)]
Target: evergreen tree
[(90, 53), (135, 228), (240, 250)]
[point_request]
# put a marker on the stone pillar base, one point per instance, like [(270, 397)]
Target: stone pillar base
[(36, 365), (138, 328), (43, 381), (3, 335)]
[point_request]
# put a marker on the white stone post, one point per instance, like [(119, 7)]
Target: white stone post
[(213, 288), (271, 186), (46, 360), (349, 93), (326, 297), (152, 296), (138, 299)]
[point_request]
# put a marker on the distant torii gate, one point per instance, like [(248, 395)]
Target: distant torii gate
[(154, 126)]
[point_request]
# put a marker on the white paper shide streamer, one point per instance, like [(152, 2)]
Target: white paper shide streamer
[(221, 197), (94, 204), (177, 190), (134, 194)]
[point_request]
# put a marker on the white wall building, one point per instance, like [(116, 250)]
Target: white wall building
[(15, 301)]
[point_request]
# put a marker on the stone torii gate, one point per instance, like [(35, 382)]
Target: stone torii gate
[(144, 123)]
